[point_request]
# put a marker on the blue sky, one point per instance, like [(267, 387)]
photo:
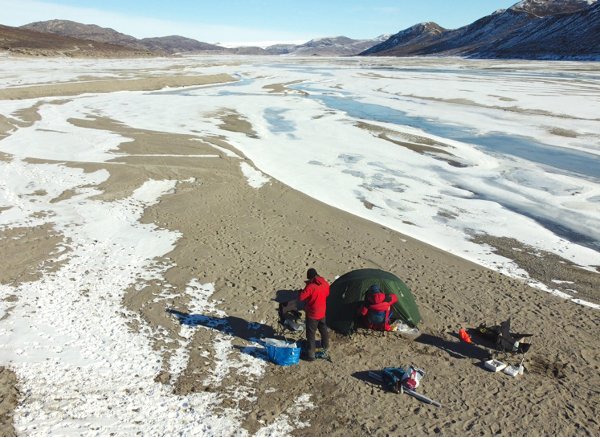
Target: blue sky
[(246, 22)]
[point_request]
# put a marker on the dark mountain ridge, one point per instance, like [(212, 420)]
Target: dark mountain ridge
[(161, 45), (28, 42), (545, 8), (565, 36), (531, 29), (409, 41), (331, 46)]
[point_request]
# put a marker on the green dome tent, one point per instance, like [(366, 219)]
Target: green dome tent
[(349, 290)]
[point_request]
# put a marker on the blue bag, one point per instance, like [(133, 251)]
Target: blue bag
[(282, 353)]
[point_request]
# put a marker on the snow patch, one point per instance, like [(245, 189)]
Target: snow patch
[(256, 178)]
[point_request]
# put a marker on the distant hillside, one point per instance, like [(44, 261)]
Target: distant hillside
[(28, 42), (531, 29), (177, 44), (84, 31), (408, 42), (281, 49), (334, 46), (160, 45), (485, 31), (247, 50)]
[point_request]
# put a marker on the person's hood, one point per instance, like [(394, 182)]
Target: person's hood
[(317, 280)]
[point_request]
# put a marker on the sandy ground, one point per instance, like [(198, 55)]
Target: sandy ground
[(252, 243), (8, 400), (110, 85)]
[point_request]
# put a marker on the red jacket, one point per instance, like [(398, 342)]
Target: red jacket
[(376, 311), (315, 295)]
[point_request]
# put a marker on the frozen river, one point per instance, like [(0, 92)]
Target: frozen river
[(443, 150)]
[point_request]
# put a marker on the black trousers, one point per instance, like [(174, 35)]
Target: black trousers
[(312, 325)]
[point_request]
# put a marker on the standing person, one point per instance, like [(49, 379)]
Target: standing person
[(315, 295)]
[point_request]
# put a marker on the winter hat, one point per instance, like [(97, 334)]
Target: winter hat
[(311, 273), (374, 288)]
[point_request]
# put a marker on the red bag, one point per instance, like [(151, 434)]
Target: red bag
[(464, 336), (412, 377)]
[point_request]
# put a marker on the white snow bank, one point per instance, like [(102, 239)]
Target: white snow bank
[(82, 370), (256, 179)]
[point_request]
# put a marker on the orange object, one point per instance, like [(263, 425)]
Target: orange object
[(464, 336)]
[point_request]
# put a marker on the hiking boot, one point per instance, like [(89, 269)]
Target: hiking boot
[(323, 354), (307, 358)]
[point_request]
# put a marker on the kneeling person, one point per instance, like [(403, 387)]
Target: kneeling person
[(377, 309)]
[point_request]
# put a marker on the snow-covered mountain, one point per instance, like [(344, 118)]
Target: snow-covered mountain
[(544, 8), (411, 39), (329, 46), (565, 36), (532, 29)]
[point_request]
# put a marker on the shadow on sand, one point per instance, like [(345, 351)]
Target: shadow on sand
[(456, 349), (286, 295), (231, 325), (368, 376)]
